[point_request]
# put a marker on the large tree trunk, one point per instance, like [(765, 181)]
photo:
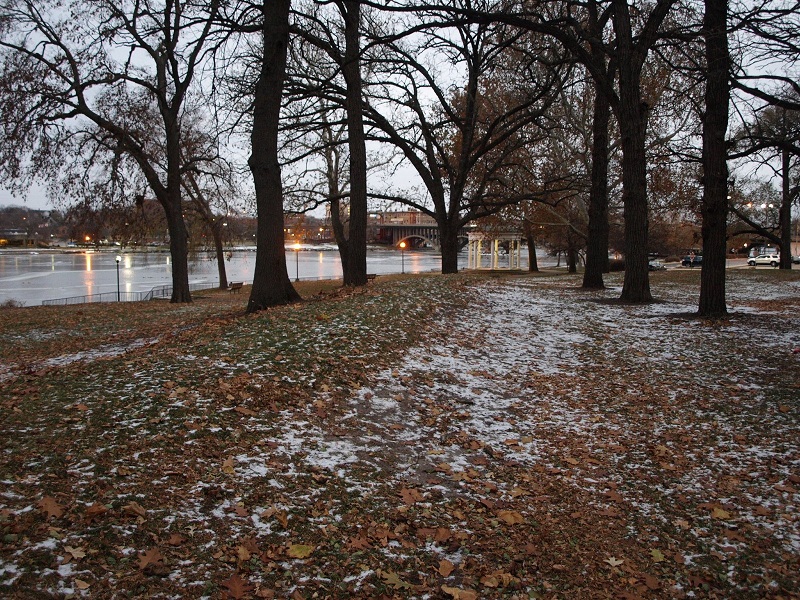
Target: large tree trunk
[(632, 119), (178, 249), (597, 242), (355, 270), (785, 217), (448, 234), (271, 284), (533, 263), (715, 166)]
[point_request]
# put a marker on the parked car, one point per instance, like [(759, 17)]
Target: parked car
[(692, 260), (655, 265), (765, 259), (796, 260)]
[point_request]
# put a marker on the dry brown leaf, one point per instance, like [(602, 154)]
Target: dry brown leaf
[(228, 466), (512, 517), (410, 496), (50, 507), (445, 568), (459, 593), (237, 587), (150, 557)]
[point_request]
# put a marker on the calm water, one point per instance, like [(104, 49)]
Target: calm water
[(30, 277)]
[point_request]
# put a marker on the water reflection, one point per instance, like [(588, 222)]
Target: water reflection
[(31, 278)]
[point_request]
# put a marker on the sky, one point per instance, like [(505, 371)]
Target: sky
[(36, 199)]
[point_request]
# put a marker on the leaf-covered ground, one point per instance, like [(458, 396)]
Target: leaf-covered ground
[(426, 437)]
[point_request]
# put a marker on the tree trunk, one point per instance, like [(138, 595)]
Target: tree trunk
[(356, 273), (178, 250), (572, 259), (632, 119), (715, 166), (271, 285), (785, 217), (340, 235), (533, 263), (448, 234), (597, 242), (216, 233)]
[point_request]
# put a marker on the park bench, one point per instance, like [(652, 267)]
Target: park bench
[(235, 286)]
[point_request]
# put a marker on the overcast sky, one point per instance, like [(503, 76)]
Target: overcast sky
[(36, 199)]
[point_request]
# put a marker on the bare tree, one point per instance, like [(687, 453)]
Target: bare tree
[(459, 127), (71, 73)]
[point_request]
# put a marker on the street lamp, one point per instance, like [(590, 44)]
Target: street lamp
[(297, 261), (402, 258), (118, 259)]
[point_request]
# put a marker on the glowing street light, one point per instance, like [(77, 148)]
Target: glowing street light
[(118, 259), (402, 258), (297, 261)]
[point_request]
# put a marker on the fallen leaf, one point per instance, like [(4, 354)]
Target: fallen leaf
[(445, 568), (96, 509), (718, 513), (150, 557), (242, 410), (393, 579), (460, 594), (81, 584), (656, 555), (228, 466), (410, 496), (50, 507), (511, 517), (614, 562), (300, 550), (490, 581), (76, 553), (135, 509), (572, 461), (176, 539), (237, 587)]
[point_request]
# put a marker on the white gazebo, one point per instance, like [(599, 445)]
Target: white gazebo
[(491, 243)]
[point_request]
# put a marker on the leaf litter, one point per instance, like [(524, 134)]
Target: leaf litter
[(425, 437)]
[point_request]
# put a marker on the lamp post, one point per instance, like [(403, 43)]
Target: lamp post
[(118, 259), (297, 261), (402, 258)]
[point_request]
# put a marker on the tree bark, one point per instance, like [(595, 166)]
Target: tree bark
[(355, 269), (178, 248), (216, 233), (715, 166), (597, 242), (533, 263), (448, 233), (271, 284), (339, 235), (785, 216)]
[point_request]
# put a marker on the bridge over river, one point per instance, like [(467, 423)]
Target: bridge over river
[(417, 235)]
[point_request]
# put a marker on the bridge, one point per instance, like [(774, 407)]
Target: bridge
[(416, 235)]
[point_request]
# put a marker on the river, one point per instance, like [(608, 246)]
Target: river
[(31, 277)]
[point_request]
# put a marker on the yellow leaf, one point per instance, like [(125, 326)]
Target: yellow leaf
[(300, 550), (393, 579), (718, 513), (656, 555)]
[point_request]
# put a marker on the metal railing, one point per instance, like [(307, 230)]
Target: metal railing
[(157, 293)]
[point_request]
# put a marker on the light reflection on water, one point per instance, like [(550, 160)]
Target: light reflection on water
[(32, 277)]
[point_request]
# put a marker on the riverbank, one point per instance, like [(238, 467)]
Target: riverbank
[(429, 436)]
